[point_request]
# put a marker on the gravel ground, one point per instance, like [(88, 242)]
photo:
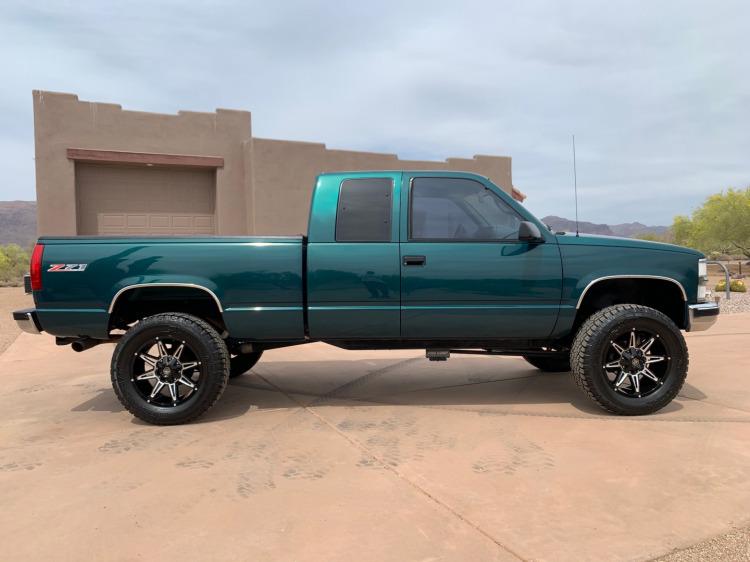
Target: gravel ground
[(11, 298), (740, 302), (731, 547)]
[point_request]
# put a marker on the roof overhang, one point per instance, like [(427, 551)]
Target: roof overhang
[(144, 158), (517, 195)]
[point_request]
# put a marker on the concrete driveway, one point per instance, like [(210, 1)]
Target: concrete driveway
[(322, 454)]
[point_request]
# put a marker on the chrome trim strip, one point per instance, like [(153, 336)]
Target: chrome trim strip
[(583, 294), (264, 309), (142, 285), (350, 308)]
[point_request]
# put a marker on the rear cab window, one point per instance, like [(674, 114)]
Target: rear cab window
[(364, 210)]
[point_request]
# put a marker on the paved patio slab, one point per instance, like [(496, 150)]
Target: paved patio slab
[(324, 454)]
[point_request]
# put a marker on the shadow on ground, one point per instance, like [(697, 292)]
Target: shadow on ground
[(230, 406), (279, 385), (285, 385)]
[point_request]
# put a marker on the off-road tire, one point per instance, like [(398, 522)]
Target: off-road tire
[(550, 364), (242, 363), (592, 340), (208, 347)]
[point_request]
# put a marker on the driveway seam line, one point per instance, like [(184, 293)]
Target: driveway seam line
[(714, 403), (380, 401), (359, 381), (2, 353), (392, 469)]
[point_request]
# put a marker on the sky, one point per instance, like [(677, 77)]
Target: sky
[(656, 93)]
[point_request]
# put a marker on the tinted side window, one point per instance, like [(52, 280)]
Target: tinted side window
[(364, 211), (459, 209)]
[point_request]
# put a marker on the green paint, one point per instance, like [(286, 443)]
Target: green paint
[(357, 290)]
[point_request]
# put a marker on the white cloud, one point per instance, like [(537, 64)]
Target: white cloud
[(656, 93)]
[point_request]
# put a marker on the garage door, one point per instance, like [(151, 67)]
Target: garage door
[(140, 200), (135, 224)]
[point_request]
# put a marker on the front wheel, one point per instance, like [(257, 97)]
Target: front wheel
[(630, 359), (170, 368)]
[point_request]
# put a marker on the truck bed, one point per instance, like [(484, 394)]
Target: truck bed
[(257, 281)]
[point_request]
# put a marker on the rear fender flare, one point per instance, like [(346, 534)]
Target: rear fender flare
[(129, 287)]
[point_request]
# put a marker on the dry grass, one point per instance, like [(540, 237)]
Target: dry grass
[(11, 298)]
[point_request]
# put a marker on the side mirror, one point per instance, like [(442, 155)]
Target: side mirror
[(529, 232)]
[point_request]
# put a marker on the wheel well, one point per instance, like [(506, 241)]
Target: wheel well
[(140, 302), (660, 294)]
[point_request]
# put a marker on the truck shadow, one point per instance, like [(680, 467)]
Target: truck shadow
[(103, 401), (106, 401), (409, 382), (389, 383)]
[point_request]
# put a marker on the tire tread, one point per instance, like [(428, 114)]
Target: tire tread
[(581, 359), (187, 321)]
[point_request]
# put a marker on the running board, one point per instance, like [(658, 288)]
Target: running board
[(437, 354)]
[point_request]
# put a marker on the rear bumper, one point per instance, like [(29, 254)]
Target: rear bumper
[(27, 320), (702, 316)]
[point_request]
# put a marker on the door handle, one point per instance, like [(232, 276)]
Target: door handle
[(414, 260)]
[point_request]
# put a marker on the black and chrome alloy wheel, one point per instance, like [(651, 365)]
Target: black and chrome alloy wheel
[(630, 359), (166, 371), (636, 362), (170, 368)]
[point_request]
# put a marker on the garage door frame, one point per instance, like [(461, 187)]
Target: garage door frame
[(138, 200)]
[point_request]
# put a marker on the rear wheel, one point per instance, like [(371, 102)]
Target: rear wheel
[(550, 364), (630, 359), (170, 368), (242, 363)]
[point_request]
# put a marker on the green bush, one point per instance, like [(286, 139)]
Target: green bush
[(736, 286), (14, 263)]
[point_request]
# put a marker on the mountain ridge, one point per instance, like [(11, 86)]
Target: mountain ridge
[(18, 223), (627, 230)]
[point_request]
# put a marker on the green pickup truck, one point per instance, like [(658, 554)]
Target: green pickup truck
[(441, 261)]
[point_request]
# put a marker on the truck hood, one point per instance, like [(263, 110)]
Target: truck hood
[(599, 240)]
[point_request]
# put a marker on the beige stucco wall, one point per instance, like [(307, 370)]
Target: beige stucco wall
[(61, 121), (264, 186), (284, 174)]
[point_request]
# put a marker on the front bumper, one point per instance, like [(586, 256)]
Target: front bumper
[(27, 320), (702, 316)]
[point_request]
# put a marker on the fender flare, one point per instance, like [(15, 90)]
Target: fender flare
[(145, 285), (607, 277)]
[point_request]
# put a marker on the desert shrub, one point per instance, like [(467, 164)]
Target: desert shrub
[(721, 224), (14, 263), (736, 286)]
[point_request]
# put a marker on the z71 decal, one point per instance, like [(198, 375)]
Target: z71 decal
[(67, 267)]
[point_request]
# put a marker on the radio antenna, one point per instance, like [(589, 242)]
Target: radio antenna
[(575, 182)]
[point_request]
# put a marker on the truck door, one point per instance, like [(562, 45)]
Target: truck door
[(464, 272), (354, 282)]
